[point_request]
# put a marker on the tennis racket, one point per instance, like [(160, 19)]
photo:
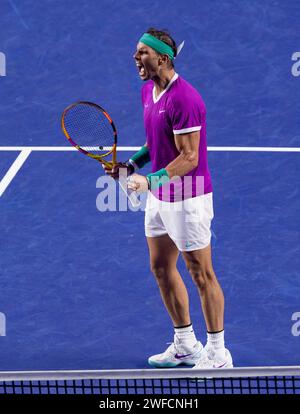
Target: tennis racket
[(91, 130)]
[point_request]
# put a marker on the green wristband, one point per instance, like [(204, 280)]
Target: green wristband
[(157, 179), (140, 158)]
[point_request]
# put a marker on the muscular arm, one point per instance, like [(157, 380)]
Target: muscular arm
[(188, 147), (187, 160)]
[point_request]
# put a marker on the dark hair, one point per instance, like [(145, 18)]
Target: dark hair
[(165, 37)]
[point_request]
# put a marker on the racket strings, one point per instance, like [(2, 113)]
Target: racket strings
[(89, 128)]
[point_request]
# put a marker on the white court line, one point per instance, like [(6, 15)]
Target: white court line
[(25, 152), (14, 168), (243, 149), (255, 149)]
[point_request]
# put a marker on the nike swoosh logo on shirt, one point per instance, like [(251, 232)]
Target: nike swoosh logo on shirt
[(161, 111), (181, 356)]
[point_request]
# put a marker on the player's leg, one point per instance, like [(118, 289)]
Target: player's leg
[(163, 260), (199, 265), (185, 349)]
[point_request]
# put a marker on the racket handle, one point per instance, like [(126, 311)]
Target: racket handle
[(114, 154), (107, 164)]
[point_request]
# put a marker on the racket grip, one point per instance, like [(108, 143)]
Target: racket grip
[(114, 155)]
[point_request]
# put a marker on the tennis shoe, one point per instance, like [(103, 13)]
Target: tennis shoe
[(209, 360), (176, 355)]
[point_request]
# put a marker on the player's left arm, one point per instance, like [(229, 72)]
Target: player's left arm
[(188, 158)]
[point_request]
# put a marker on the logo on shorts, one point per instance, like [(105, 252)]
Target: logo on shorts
[(189, 244)]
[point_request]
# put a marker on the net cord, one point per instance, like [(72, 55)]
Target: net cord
[(272, 371)]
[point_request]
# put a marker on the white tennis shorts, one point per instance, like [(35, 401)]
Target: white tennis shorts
[(186, 222)]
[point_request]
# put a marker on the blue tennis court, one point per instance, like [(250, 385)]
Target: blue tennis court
[(76, 287)]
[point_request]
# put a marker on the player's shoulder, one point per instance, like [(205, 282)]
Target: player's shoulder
[(184, 91)]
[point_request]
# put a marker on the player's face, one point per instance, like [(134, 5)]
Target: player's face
[(147, 61)]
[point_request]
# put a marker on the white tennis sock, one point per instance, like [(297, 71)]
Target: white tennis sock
[(185, 337), (216, 343)]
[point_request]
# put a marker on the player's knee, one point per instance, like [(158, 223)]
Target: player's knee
[(199, 279), (163, 276), (158, 271), (202, 276)]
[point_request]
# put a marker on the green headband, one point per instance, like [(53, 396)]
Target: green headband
[(157, 45)]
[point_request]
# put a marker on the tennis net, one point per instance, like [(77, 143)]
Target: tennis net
[(250, 380)]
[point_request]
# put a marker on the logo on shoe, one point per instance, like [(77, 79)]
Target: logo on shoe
[(220, 366), (177, 356)]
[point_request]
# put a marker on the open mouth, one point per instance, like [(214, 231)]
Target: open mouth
[(141, 69)]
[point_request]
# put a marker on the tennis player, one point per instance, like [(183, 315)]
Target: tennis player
[(179, 207)]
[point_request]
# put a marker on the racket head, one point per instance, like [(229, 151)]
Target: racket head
[(91, 130)]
